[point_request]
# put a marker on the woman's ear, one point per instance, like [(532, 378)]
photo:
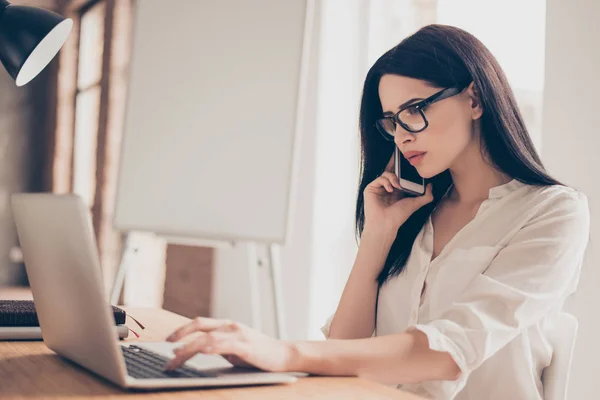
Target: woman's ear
[(475, 101)]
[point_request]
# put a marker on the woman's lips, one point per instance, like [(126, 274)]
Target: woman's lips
[(416, 158)]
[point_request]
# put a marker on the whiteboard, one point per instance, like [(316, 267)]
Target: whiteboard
[(213, 118)]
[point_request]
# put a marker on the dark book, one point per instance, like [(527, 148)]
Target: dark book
[(22, 313)]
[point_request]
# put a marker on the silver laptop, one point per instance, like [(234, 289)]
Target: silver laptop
[(62, 263)]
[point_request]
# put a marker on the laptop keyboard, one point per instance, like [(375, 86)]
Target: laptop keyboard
[(145, 364)]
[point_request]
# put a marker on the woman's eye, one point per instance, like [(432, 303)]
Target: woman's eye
[(412, 110)]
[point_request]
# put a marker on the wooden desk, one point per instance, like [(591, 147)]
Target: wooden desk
[(30, 369)]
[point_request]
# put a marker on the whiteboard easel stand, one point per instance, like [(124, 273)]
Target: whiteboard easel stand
[(253, 262)]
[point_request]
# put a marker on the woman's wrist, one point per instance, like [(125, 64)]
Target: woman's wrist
[(329, 357), (303, 357), (372, 253), (385, 236), (294, 357)]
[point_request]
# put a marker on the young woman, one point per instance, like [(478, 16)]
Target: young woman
[(452, 292)]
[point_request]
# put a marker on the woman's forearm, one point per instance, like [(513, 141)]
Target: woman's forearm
[(355, 315), (391, 359)]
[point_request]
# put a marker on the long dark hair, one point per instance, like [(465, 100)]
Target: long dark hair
[(445, 56)]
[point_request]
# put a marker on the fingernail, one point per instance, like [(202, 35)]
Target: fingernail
[(208, 349)]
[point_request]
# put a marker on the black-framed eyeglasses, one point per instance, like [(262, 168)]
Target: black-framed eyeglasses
[(412, 117)]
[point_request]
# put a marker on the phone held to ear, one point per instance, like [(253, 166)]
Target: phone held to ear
[(410, 181)]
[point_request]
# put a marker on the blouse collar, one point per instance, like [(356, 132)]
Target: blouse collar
[(502, 190)]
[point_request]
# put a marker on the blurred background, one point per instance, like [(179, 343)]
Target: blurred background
[(62, 133)]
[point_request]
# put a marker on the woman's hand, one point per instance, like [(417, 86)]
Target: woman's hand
[(239, 344), (386, 206)]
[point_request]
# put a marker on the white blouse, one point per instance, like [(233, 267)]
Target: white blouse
[(493, 291)]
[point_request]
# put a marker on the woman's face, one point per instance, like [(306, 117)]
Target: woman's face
[(451, 133)]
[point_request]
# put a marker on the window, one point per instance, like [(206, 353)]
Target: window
[(87, 100), (90, 95)]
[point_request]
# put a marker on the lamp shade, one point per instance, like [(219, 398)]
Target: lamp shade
[(29, 39)]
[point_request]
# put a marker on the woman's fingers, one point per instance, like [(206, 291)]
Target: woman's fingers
[(187, 351), (387, 181), (198, 324), (392, 178), (210, 343), (234, 347), (237, 361)]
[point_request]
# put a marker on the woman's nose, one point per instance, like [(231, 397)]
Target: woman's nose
[(402, 136)]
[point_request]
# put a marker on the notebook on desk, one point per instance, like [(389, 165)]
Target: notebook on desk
[(19, 321), (23, 313)]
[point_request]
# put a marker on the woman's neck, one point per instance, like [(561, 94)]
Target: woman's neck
[(473, 177)]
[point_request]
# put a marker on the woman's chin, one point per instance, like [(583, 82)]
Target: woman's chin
[(427, 172)]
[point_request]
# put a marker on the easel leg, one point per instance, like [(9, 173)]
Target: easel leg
[(254, 286), (257, 280), (126, 256), (275, 265)]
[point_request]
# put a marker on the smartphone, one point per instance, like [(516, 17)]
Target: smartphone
[(410, 181)]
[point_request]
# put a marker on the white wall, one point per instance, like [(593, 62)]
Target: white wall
[(342, 67), (570, 145)]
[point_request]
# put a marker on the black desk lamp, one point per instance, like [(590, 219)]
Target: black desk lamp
[(29, 39)]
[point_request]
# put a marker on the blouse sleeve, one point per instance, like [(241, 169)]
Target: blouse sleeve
[(325, 328), (529, 277)]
